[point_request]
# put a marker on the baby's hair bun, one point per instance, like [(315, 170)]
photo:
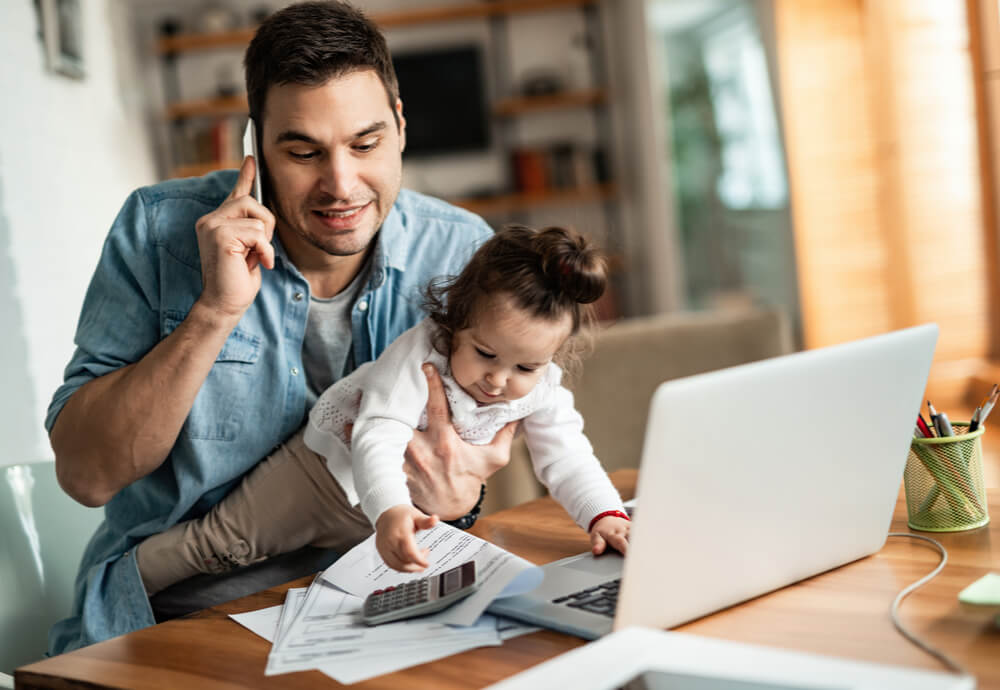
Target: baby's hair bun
[(572, 266)]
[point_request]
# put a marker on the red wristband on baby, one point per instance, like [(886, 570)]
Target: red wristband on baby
[(606, 513)]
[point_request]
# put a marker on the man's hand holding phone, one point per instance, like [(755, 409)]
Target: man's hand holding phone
[(234, 241)]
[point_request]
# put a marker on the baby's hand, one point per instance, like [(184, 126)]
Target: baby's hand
[(609, 531), (395, 537)]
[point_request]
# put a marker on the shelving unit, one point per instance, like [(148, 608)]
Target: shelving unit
[(510, 107), (522, 105), (512, 203), (210, 107), (595, 189), (238, 38)]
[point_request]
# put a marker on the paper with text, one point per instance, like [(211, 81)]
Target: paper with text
[(499, 573), (294, 598), (327, 632), (274, 622)]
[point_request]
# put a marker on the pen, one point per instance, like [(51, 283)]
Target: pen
[(925, 430), (943, 425)]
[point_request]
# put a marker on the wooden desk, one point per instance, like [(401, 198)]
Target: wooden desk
[(843, 612)]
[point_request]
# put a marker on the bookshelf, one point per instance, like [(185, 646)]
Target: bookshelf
[(509, 107), (509, 203), (512, 107), (238, 38)]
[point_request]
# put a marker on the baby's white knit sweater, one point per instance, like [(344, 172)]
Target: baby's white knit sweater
[(386, 400)]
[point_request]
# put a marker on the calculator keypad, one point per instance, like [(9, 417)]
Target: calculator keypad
[(420, 597), (401, 596)]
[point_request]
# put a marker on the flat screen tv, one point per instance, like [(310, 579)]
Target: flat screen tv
[(443, 100)]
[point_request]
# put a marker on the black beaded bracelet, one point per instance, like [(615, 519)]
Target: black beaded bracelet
[(469, 519)]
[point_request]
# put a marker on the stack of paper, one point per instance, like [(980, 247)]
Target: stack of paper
[(320, 627)]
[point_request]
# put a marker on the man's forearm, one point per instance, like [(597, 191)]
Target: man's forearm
[(121, 426)]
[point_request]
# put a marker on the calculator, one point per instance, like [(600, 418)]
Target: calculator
[(420, 597)]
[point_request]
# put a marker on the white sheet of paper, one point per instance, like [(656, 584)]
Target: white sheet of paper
[(294, 598), (508, 627), (499, 573), (360, 667), (357, 670), (272, 623), (263, 622), (347, 669), (327, 633)]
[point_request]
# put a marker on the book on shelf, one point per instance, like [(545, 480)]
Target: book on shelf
[(564, 165), (531, 174), (226, 140), (204, 142)]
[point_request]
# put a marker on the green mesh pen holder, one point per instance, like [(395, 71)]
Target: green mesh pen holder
[(944, 482)]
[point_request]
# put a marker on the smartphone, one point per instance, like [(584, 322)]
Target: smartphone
[(250, 149), (420, 597)]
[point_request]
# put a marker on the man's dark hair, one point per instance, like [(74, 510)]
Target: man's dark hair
[(310, 43)]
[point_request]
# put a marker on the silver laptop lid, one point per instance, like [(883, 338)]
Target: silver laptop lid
[(760, 475)]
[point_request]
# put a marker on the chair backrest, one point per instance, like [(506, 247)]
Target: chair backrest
[(42, 536), (630, 359)]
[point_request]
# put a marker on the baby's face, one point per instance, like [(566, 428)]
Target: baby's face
[(505, 352)]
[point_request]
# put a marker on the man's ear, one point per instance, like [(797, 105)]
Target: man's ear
[(402, 125)]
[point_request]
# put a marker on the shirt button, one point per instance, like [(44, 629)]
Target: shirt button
[(298, 296), (362, 305), (295, 371)]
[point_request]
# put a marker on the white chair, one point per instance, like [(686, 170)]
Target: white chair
[(42, 536)]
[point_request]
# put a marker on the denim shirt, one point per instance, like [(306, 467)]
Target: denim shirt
[(147, 279)]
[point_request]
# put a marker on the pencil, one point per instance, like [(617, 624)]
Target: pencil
[(933, 413)]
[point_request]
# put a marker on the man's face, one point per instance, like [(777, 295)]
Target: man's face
[(334, 159)]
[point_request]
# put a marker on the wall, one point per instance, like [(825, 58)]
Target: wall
[(881, 135), (70, 151)]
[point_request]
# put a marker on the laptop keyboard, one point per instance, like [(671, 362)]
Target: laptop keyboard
[(602, 598)]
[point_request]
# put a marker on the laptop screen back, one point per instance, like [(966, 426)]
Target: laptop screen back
[(761, 475)]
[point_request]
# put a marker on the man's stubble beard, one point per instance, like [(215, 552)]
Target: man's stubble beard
[(282, 219)]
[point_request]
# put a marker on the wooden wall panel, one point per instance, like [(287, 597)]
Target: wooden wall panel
[(832, 170), (880, 112), (984, 42), (930, 144)]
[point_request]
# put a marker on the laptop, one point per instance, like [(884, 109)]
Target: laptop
[(751, 478)]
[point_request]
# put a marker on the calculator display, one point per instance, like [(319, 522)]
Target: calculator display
[(452, 580), (456, 578)]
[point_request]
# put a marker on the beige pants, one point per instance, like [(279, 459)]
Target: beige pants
[(289, 500)]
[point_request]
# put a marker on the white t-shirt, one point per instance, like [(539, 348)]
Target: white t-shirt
[(394, 402)]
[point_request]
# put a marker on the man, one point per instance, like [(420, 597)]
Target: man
[(212, 321)]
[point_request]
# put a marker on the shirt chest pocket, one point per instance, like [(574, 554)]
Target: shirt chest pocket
[(220, 409)]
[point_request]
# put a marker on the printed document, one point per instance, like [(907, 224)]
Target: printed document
[(320, 627), (499, 573), (327, 633)]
